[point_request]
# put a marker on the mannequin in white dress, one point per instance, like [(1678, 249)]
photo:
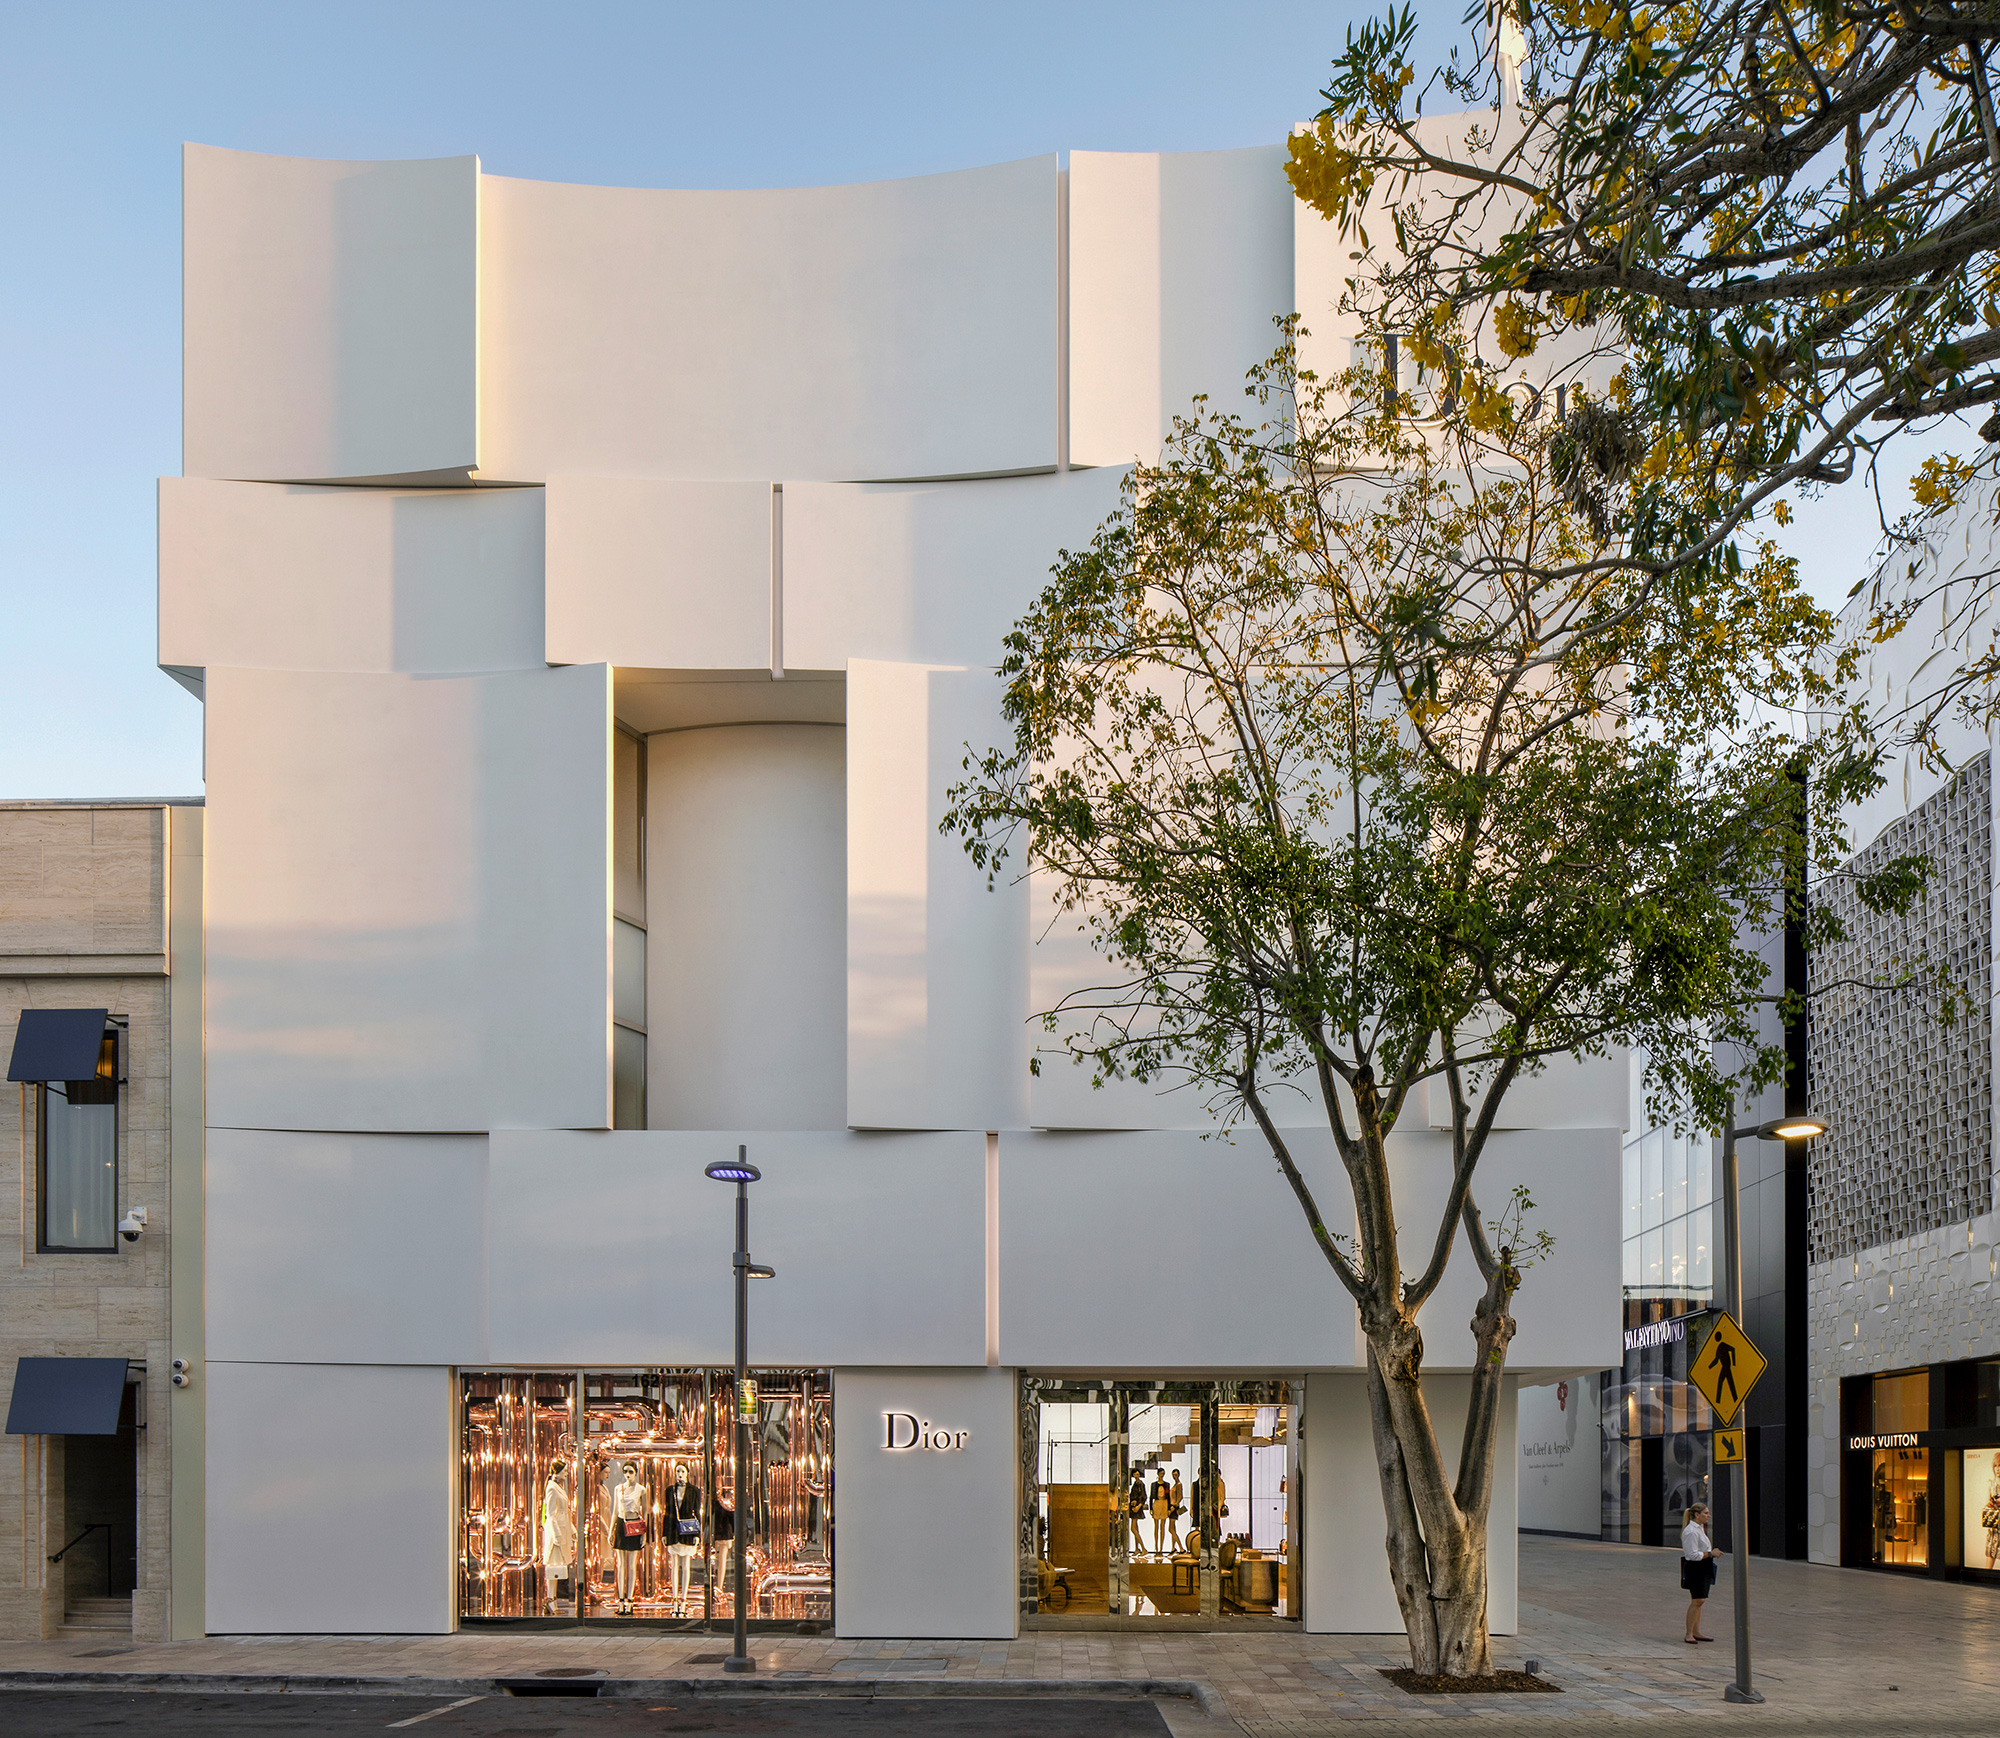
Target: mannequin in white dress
[(558, 1535)]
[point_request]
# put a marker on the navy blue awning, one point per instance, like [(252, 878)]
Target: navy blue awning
[(57, 1044), (66, 1397)]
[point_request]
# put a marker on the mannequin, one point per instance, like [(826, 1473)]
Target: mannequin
[(1178, 1497), (681, 1525), (1135, 1508), (558, 1537), (627, 1533), (1989, 1514), (1163, 1508)]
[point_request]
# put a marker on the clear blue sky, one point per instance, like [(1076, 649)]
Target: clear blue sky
[(95, 100)]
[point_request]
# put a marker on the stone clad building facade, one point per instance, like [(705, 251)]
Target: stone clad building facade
[(85, 923)]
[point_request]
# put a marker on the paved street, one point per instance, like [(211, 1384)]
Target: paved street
[(1868, 1653), (63, 1713)]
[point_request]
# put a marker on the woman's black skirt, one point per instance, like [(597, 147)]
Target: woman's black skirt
[(1698, 1576)]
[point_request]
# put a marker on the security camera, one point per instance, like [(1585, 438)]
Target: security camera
[(183, 1374), (132, 1224)]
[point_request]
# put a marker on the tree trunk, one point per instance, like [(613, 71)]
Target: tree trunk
[(1437, 1529)]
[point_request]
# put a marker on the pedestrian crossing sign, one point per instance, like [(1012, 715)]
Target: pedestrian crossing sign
[(1728, 1447), (1725, 1367)]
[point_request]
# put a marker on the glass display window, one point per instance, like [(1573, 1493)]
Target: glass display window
[(646, 1477), (1157, 1499), (611, 1496), (517, 1495), (1899, 1403), (1899, 1507), (1979, 1487), (786, 1499)]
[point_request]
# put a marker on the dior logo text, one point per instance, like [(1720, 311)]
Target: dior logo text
[(906, 1430)]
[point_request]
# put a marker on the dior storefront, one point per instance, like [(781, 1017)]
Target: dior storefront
[(594, 1496)]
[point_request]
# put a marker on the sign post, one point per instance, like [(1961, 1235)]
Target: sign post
[(1724, 1369)]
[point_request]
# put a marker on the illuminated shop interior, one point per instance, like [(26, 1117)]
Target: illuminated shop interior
[(612, 1497), (1160, 1499)]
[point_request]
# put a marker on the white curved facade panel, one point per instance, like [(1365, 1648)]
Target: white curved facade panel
[(660, 575), (409, 900), (330, 317), (746, 962), (345, 1248), (879, 1243), (937, 991), (278, 576), (892, 329), (1104, 1211), (930, 573), (1178, 263), (343, 1467)]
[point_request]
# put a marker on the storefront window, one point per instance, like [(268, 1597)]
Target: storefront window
[(629, 1511), (517, 1487), (1979, 1481), (1897, 1489), (1160, 1499)]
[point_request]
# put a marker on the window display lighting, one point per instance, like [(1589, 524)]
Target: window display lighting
[(542, 1510)]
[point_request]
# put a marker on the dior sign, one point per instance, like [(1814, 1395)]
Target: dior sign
[(904, 1430)]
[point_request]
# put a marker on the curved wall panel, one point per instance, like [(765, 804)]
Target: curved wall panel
[(746, 948), (330, 320), (271, 576), (1177, 263), (892, 329)]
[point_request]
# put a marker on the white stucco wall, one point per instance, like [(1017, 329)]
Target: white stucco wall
[(328, 1499), (408, 900), (292, 577), (746, 959), (927, 1540), (330, 317), (1348, 1589), (823, 332)]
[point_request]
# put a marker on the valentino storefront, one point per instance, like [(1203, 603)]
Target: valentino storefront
[(1920, 1471)]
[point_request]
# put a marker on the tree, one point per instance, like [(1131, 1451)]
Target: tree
[(1783, 214), (1352, 797)]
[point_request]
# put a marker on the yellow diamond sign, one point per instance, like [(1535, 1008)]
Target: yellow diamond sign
[(1726, 1367)]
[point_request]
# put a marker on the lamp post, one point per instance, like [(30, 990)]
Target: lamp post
[(1783, 1128), (742, 1173)]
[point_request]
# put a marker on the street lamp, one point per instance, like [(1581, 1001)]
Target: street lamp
[(1780, 1128), (742, 1173)]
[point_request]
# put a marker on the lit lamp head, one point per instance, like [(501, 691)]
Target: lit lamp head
[(737, 1170), (1791, 1128)]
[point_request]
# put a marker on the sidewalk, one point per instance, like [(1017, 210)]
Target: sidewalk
[(1867, 1652)]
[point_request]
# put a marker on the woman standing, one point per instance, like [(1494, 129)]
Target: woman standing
[(1697, 1569)]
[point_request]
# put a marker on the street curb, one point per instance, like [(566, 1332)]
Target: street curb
[(1195, 1690)]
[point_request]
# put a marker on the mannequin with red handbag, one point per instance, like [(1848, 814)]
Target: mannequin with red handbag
[(628, 1533)]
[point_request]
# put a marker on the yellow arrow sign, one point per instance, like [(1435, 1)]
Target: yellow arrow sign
[(1726, 1367), (1728, 1447)]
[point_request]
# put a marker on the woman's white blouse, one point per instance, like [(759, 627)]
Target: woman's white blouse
[(1694, 1542)]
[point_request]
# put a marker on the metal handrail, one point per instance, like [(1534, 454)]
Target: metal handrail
[(93, 1527)]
